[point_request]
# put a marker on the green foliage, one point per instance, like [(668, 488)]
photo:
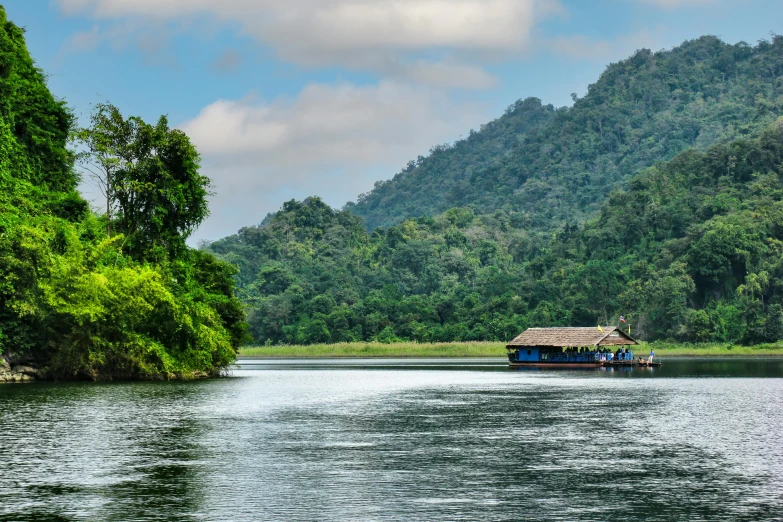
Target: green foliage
[(78, 304), (150, 174), (692, 250), (548, 167), (121, 320), (34, 124)]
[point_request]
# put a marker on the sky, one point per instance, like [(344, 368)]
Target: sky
[(294, 98)]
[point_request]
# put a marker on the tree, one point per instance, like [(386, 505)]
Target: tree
[(163, 198), (150, 175), (105, 152)]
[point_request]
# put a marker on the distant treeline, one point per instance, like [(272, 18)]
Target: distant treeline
[(691, 250)]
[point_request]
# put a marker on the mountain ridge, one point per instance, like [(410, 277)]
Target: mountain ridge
[(556, 166)]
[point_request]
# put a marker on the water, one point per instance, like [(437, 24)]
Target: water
[(401, 440)]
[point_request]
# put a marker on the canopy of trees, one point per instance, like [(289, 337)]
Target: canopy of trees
[(74, 301), (557, 166), (150, 178), (554, 217), (691, 250)]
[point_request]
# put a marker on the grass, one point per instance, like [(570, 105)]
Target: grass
[(663, 348), (472, 349), (490, 349)]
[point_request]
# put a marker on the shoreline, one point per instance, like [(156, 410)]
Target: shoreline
[(481, 350), (468, 357)]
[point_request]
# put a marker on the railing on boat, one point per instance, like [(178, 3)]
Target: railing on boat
[(589, 357)]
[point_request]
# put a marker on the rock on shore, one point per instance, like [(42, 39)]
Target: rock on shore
[(17, 373)]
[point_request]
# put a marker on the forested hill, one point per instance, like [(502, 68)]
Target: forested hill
[(691, 250), (558, 165)]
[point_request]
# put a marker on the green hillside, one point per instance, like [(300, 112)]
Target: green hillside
[(75, 303), (555, 166), (691, 250)]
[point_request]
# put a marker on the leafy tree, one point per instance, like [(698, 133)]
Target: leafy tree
[(106, 152), (151, 174)]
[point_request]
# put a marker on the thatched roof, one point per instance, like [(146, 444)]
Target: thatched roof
[(572, 337)]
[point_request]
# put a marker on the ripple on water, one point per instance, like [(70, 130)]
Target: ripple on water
[(379, 441)]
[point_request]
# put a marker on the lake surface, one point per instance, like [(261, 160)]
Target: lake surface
[(402, 440)]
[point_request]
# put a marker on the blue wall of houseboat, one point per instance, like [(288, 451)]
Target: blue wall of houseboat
[(528, 354), (532, 354)]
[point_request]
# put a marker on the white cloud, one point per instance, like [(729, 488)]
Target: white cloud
[(83, 41), (150, 40), (228, 61), (341, 25), (333, 140), (447, 74), (584, 48), (329, 127), (383, 36)]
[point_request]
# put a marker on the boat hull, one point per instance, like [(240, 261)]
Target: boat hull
[(540, 364), (597, 364)]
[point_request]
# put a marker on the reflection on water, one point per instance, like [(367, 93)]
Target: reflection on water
[(401, 440), (672, 367)]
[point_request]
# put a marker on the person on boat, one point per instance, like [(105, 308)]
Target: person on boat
[(652, 354)]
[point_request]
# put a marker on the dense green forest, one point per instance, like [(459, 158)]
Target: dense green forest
[(691, 249), (655, 196), (116, 295), (556, 166)]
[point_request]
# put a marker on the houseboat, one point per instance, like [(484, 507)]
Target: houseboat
[(574, 347)]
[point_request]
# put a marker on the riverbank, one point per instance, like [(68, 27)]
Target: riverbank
[(471, 349), (11, 372), (490, 349), (663, 348)]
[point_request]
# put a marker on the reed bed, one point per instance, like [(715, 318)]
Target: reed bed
[(467, 349), (663, 348)]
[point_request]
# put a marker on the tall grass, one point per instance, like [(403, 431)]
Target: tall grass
[(708, 349), (490, 349), (471, 349)]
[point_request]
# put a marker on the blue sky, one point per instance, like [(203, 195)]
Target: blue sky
[(287, 99)]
